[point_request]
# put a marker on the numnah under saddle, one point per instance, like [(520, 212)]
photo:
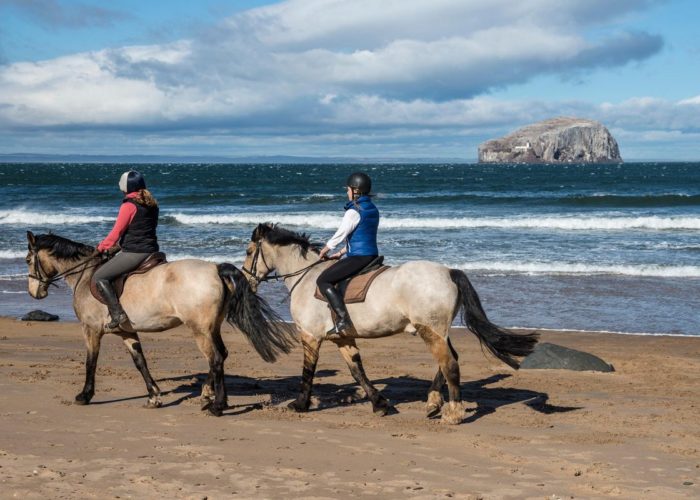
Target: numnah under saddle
[(354, 289)]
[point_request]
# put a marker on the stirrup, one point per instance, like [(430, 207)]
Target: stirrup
[(117, 324), (348, 327)]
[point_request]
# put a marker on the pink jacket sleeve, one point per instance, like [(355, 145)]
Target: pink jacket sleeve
[(126, 215)]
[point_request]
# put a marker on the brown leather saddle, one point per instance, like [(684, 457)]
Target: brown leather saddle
[(355, 288), (153, 260)]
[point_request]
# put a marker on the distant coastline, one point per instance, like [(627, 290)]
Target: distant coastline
[(247, 160), (217, 159)]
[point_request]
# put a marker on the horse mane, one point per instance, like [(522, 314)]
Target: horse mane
[(276, 235), (62, 248)]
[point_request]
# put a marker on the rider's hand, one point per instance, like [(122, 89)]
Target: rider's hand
[(335, 256), (324, 251)]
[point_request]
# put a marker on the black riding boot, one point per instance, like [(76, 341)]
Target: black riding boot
[(343, 323), (116, 311)]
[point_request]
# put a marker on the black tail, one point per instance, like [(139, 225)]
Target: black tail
[(253, 316), (502, 343)]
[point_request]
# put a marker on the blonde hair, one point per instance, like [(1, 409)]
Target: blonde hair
[(146, 198)]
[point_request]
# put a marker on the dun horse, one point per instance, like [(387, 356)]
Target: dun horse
[(193, 292), (419, 296)]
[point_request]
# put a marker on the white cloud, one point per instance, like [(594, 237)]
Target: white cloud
[(369, 71)]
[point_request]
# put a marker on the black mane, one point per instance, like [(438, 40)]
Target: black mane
[(276, 235), (62, 248)]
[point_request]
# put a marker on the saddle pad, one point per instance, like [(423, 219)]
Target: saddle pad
[(153, 260), (357, 288)]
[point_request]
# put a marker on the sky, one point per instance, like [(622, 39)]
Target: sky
[(343, 78)]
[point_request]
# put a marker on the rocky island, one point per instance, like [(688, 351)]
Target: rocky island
[(557, 140)]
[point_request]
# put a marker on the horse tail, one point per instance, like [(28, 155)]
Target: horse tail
[(251, 314), (501, 342)]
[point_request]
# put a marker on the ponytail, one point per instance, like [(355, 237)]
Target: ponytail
[(146, 198)]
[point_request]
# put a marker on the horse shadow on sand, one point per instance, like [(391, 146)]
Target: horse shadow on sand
[(481, 399)]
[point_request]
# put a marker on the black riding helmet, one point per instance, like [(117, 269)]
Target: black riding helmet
[(360, 182)]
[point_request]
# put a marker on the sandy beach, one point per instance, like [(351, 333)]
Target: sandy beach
[(634, 433)]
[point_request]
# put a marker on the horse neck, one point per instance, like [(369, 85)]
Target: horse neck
[(80, 276), (290, 260)]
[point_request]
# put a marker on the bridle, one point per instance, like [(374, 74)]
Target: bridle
[(277, 277), (43, 277)]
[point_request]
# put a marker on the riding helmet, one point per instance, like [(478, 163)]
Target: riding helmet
[(132, 181), (360, 182)]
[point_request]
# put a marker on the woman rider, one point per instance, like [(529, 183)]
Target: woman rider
[(358, 230), (135, 230)]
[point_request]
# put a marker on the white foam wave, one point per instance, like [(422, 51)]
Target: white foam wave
[(12, 277), (572, 223), (583, 269), (29, 217), (614, 332), (12, 254), (323, 221), (232, 258)]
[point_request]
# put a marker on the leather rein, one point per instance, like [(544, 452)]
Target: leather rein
[(42, 276), (277, 277)]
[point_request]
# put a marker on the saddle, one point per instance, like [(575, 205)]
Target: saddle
[(153, 260), (354, 289)]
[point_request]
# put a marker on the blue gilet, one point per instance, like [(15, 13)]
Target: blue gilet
[(363, 239)]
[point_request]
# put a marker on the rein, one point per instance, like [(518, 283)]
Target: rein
[(277, 277), (48, 281)]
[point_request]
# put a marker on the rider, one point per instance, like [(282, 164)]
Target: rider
[(358, 230), (135, 230)]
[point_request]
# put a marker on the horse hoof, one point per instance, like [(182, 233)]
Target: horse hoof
[(382, 408), (453, 413), (82, 399), (215, 411), (153, 403), (298, 407), (206, 404), (432, 411)]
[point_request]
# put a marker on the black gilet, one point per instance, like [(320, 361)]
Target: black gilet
[(140, 235)]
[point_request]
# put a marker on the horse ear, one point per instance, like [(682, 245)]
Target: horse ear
[(260, 231), (31, 239)]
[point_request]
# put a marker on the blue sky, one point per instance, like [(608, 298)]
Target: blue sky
[(343, 78)]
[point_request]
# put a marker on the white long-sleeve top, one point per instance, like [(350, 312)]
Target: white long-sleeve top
[(350, 221)]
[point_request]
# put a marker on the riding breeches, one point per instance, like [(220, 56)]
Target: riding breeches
[(342, 269), (120, 264)]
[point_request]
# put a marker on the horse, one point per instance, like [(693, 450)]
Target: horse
[(193, 292), (420, 297)]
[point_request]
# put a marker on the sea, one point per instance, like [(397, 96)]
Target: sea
[(611, 248)]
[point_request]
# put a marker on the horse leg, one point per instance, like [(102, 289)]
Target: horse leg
[(133, 344), (93, 339), (435, 400), (213, 389), (311, 349), (351, 355), (445, 356)]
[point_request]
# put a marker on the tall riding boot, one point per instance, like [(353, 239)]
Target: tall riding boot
[(343, 324), (116, 311)]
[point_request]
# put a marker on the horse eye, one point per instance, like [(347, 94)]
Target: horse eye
[(248, 252)]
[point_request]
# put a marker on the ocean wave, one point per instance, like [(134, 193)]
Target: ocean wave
[(652, 270), (28, 217), (323, 221), (574, 223), (218, 259), (12, 254), (12, 277)]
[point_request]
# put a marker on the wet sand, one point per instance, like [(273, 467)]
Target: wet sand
[(634, 433)]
